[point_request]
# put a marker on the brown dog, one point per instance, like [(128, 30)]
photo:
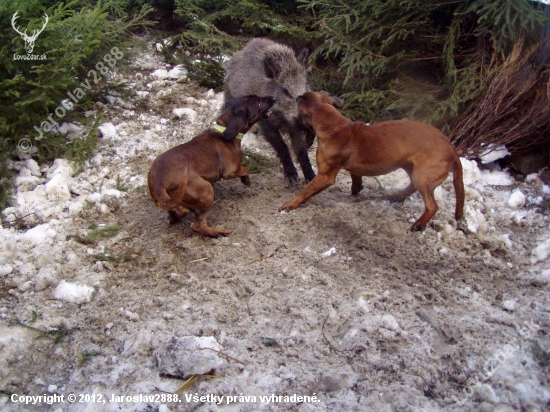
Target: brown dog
[(421, 150), (181, 179)]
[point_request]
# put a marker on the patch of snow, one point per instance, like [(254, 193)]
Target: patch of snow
[(108, 131), (389, 322), (58, 189), (6, 270), (177, 72), (496, 178), (71, 130), (516, 200), (73, 293), (33, 167), (37, 234), (541, 252), (186, 113), (61, 166), (160, 74), (470, 171), (475, 220), (329, 252), (493, 153)]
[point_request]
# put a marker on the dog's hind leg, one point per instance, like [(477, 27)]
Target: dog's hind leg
[(176, 215), (430, 208), (426, 184), (200, 198), (200, 226)]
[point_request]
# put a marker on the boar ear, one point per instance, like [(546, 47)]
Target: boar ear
[(235, 125), (302, 56), (271, 67), (333, 100), (337, 102)]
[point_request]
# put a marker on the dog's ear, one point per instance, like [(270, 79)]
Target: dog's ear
[(310, 138), (235, 125)]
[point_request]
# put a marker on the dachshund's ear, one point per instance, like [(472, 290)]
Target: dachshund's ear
[(235, 125)]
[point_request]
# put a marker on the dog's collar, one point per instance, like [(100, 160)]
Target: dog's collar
[(221, 129)]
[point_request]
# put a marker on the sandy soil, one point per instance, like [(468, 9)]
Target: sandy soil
[(336, 300)]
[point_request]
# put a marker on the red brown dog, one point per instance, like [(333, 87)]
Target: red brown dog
[(421, 150), (181, 179)]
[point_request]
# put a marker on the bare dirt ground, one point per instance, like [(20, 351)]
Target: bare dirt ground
[(336, 300)]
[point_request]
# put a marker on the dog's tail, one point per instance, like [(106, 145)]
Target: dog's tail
[(458, 184), (163, 199)]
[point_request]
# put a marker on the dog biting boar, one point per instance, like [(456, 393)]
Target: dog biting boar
[(266, 68)]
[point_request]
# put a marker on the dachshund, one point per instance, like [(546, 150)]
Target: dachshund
[(180, 180)]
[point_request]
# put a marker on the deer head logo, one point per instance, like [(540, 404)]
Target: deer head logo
[(29, 40)]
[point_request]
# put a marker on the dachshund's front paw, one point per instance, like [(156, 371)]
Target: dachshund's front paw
[(245, 180)]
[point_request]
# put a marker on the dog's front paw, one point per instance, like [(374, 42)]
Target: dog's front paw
[(417, 228), (245, 180), (287, 207)]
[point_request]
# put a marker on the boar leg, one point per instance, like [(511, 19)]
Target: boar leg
[(297, 138), (276, 141)]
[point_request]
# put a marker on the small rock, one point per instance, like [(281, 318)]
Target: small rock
[(389, 322), (509, 305), (529, 163), (185, 113), (188, 355), (131, 315)]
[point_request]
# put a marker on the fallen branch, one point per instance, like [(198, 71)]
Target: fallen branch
[(224, 354)]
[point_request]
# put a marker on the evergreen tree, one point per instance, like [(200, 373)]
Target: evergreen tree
[(77, 37), (425, 60)]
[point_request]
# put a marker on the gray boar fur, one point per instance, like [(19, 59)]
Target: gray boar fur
[(266, 68)]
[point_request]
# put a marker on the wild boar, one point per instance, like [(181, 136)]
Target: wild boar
[(266, 68)]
